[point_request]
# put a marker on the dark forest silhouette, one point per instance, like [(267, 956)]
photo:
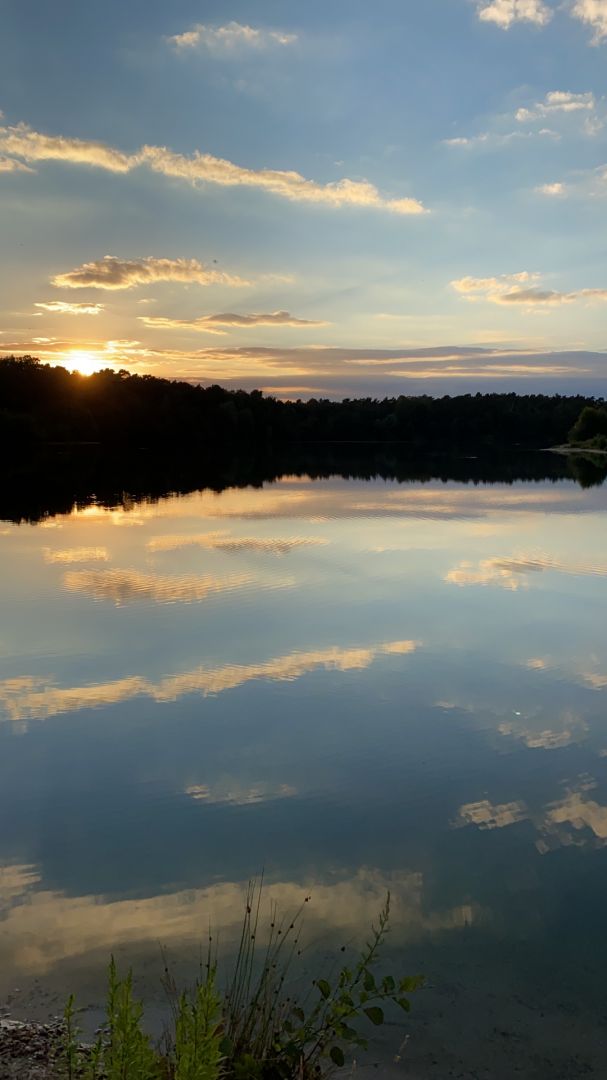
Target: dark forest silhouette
[(44, 404)]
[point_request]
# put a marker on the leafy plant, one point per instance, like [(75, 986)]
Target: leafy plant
[(70, 1050), (127, 1051), (269, 1024), (198, 1033)]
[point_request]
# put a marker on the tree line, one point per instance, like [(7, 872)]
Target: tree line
[(42, 404)]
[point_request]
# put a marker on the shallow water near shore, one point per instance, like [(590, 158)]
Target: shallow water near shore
[(356, 685)]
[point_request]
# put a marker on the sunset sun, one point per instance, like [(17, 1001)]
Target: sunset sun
[(82, 361)]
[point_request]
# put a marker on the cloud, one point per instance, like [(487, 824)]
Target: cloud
[(513, 289), (557, 101), (9, 165), (287, 184), (230, 38), (551, 190), (111, 272), (22, 141), (62, 307), (498, 139), (504, 13), (594, 14), (211, 324)]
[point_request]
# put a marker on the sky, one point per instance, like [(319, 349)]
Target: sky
[(333, 199)]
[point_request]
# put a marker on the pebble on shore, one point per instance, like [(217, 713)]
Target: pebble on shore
[(28, 1051)]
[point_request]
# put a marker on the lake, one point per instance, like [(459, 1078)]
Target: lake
[(353, 685)]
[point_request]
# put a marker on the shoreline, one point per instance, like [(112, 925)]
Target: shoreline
[(566, 450)]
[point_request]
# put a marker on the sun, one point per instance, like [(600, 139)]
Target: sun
[(85, 363)]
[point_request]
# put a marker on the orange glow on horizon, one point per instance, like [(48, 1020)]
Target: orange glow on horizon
[(82, 361)]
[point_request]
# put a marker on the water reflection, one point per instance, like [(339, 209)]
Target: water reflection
[(46, 927), (513, 573), (28, 698), (231, 689), (127, 586)]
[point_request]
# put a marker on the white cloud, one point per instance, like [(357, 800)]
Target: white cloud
[(557, 101), (504, 13), (551, 189), (594, 14), (230, 38), (62, 307), (212, 324), (199, 168), (111, 272), (497, 138), (513, 289)]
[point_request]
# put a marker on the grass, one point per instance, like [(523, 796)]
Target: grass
[(270, 1023)]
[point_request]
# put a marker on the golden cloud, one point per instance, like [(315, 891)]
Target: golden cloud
[(212, 324), (10, 165), (521, 288), (63, 307), (22, 142), (111, 272)]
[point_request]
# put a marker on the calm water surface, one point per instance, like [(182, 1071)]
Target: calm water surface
[(355, 685)]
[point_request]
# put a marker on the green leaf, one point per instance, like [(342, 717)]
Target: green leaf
[(411, 983), (375, 1014), (388, 985), (369, 981), (404, 1004), (324, 987), (337, 1056), (348, 1033)]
